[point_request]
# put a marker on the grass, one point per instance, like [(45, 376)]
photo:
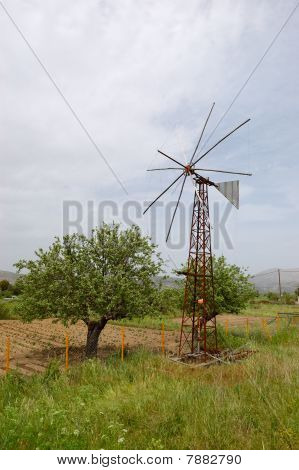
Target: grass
[(170, 323), (268, 310), (7, 312), (148, 402), (257, 309), (151, 322)]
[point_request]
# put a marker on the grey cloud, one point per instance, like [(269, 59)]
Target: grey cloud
[(134, 72)]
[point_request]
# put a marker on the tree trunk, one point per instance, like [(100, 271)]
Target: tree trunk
[(93, 334)]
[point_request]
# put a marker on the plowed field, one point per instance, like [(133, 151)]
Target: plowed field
[(32, 346)]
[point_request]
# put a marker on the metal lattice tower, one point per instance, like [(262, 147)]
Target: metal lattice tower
[(199, 316)]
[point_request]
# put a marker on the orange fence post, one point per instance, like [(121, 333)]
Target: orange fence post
[(122, 343), (66, 352), (163, 338), (265, 328), (7, 354), (226, 327)]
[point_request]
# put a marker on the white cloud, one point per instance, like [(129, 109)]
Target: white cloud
[(134, 71)]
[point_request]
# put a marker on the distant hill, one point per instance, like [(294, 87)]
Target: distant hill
[(264, 281), (168, 282), (268, 281), (9, 276)]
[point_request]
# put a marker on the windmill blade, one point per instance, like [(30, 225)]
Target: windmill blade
[(158, 169), (223, 171), (221, 140), (230, 190), (177, 204), (202, 132), (165, 155), (163, 192)]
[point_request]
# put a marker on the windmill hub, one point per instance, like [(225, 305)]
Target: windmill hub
[(189, 170)]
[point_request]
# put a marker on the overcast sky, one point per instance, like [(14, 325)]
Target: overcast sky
[(142, 76)]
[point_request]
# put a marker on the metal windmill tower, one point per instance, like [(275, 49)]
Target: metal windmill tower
[(199, 316)]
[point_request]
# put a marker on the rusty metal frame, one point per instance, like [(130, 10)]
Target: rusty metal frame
[(199, 319)]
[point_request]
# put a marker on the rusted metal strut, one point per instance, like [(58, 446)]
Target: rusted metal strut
[(199, 315)]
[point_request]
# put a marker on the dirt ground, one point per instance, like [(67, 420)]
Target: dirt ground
[(34, 345)]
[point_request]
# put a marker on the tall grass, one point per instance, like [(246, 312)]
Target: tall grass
[(268, 310), (150, 322), (148, 402)]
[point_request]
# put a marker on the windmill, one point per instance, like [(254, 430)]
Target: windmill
[(199, 315)]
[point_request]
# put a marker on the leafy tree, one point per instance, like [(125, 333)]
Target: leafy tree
[(108, 276), (169, 299), (4, 285), (16, 289), (233, 289)]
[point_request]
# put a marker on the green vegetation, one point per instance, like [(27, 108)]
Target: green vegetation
[(288, 298), (8, 290), (108, 276), (4, 311), (148, 402), (232, 287), (8, 310), (152, 322), (268, 310), (233, 290), (5, 285)]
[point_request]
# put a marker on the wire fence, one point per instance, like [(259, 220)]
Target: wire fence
[(26, 350), (277, 280)]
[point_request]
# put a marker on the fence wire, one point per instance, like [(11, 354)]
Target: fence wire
[(277, 281)]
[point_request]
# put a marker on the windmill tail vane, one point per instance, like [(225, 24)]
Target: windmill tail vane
[(198, 325)]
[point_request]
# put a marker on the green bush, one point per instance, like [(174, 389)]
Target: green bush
[(4, 285), (4, 311), (233, 290), (288, 298)]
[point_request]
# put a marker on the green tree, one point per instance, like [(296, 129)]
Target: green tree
[(170, 299), (108, 276), (233, 290), (5, 285)]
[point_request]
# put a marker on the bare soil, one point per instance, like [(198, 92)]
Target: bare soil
[(34, 345)]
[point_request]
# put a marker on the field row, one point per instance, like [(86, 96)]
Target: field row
[(32, 346)]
